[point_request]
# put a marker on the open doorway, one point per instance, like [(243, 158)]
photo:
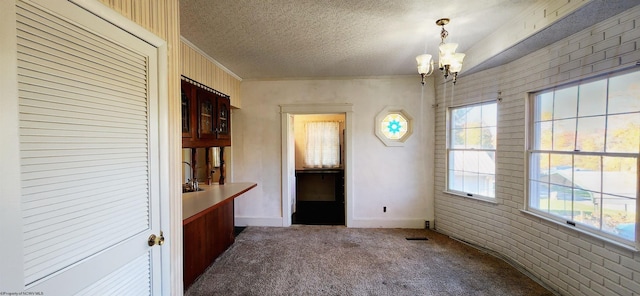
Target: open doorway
[(289, 158), (319, 169)]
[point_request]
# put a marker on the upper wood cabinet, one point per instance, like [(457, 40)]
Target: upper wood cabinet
[(206, 118)]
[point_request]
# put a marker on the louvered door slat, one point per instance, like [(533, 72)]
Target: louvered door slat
[(84, 144), (129, 278), (102, 100)]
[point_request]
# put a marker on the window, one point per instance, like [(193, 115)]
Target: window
[(393, 126), (583, 155), (323, 144), (471, 150)]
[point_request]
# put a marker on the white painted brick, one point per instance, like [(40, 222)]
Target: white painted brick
[(580, 261), (607, 43), (624, 48), (606, 273), (583, 280), (630, 284), (569, 48), (631, 263), (617, 289), (607, 64), (580, 242), (604, 253), (618, 269), (592, 276), (594, 258), (619, 29), (630, 58), (600, 289), (571, 265), (558, 250), (590, 40), (630, 35), (580, 53), (587, 291)]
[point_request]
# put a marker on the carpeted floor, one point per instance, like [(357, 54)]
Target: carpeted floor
[(335, 260)]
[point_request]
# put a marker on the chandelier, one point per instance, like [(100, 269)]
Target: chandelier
[(449, 62)]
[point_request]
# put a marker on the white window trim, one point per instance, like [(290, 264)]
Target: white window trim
[(464, 194), (529, 141)]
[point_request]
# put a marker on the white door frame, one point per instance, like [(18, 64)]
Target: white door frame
[(286, 111)]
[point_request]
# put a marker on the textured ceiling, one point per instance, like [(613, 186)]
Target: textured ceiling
[(258, 39)]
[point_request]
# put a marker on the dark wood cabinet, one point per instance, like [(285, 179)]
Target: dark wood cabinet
[(206, 117), (205, 238)]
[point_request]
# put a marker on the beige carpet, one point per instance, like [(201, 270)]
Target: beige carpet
[(335, 260)]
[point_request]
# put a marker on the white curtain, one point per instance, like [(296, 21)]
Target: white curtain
[(323, 144)]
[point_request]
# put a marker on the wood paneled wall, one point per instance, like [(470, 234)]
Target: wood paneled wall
[(202, 69), (162, 17)]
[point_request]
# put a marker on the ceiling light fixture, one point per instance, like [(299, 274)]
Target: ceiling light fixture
[(449, 62)]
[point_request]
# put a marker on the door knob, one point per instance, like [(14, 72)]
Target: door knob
[(156, 240)]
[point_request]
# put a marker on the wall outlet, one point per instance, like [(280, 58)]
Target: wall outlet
[(426, 224)]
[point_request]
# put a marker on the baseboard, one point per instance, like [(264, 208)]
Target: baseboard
[(258, 221), (386, 223)]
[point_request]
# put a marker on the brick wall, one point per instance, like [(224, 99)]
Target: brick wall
[(569, 262)]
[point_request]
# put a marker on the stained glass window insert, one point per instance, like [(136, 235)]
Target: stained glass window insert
[(394, 126)]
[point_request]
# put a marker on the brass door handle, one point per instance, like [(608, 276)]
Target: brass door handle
[(155, 240)]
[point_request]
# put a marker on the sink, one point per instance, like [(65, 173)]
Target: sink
[(186, 189)]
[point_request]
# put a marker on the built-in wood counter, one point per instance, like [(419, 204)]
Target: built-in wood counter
[(196, 204), (208, 228)]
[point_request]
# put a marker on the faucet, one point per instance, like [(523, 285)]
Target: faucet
[(192, 183)]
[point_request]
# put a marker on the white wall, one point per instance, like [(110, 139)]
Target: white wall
[(570, 262), (399, 178)]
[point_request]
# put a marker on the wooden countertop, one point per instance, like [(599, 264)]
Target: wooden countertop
[(195, 204)]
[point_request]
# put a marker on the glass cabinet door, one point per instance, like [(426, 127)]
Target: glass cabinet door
[(206, 115)]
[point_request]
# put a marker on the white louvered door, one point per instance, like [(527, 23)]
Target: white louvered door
[(87, 127)]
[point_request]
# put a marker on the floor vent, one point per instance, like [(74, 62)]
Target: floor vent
[(417, 238)]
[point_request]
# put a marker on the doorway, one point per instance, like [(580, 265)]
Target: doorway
[(323, 182), (319, 170)]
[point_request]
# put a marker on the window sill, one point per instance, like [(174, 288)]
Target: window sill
[(590, 234), (474, 197)]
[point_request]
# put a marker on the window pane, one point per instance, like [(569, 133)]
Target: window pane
[(473, 138), (561, 171), (455, 180), (620, 176), (623, 133), (624, 93), (474, 117), (457, 138), (544, 107), (539, 195), (459, 117), (591, 131), (489, 114), (564, 133), (619, 216), (561, 203), (489, 138), (471, 182), (539, 169), (584, 210), (565, 103), (587, 173), (486, 185), (593, 98), (543, 135), (486, 162)]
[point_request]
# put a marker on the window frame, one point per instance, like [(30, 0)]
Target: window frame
[(449, 149), (530, 150)]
